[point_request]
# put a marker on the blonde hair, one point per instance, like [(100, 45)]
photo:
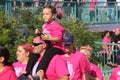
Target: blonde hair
[(87, 50)]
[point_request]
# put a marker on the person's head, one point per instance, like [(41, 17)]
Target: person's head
[(87, 50), (49, 13), (39, 45), (4, 55), (116, 31), (118, 44), (23, 52), (68, 43), (106, 33)]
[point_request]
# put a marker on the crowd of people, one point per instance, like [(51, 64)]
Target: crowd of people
[(52, 56), (110, 49), (109, 8)]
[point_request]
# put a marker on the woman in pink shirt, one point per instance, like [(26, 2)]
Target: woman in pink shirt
[(106, 47), (94, 72), (22, 54), (6, 71), (106, 39)]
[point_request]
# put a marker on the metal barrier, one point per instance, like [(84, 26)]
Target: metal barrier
[(100, 13), (106, 70), (102, 52)]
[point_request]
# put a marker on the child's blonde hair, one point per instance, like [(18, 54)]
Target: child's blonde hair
[(87, 50)]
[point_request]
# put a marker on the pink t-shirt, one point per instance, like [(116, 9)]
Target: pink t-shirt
[(95, 71), (77, 64), (19, 68), (105, 40), (8, 74), (56, 31), (115, 75), (92, 5), (56, 69)]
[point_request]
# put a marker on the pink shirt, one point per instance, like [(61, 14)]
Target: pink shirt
[(115, 75), (55, 31), (95, 71), (77, 64), (92, 5), (19, 68), (8, 74), (56, 69), (105, 40)]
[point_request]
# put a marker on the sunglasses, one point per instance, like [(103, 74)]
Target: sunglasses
[(118, 43), (36, 44), (67, 44)]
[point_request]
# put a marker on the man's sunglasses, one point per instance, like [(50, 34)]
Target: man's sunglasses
[(36, 44)]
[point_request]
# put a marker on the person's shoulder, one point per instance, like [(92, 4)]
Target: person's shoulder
[(57, 56), (8, 69), (80, 54), (94, 66), (57, 24)]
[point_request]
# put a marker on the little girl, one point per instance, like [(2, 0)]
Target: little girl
[(51, 30), (6, 71)]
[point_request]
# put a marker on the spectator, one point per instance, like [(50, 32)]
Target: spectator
[(118, 55), (106, 52), (106, 38), (111, 10), (115, 35), (94, 72), (117, 63), (66, 3), (22, 54), (115, 38), (79, 4), (92, 4), (53, 71), (118, 5), (77, 62), (6, 71), (101, 9)]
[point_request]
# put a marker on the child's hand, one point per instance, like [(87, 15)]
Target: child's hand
[(45, 37), (37, 31)]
